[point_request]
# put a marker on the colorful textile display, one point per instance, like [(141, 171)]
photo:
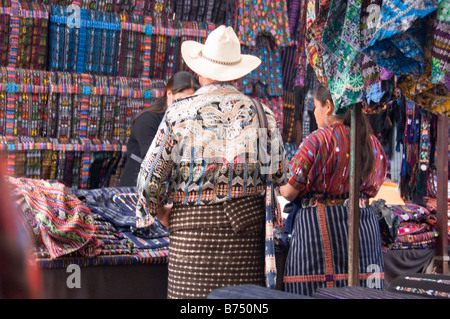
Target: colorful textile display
[(4, 34), (218, 11), (297, 26), (115, 248), (128, 45), (421, 89), (131, 56), (266, 80), (64, 229), (32, 51), (378, 81), (74, 163), (117, 205), (418, 162), (258, 16), (422, 285), (289, 131), (24, 96), (24, 34), (66, 105), (417, 227), (87, 45)]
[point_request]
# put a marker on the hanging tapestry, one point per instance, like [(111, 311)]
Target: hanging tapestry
[(440, 72), (266, 17), (398, 43), (422, 88), (315, 24), (378, 82), (341, 54), (92, 46), (419, 88)]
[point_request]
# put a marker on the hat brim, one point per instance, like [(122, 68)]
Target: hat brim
[(216, 71)]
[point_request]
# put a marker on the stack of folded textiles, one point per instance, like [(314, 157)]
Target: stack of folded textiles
[(417, 229), (116, 205), (431, 203), (86, 227)]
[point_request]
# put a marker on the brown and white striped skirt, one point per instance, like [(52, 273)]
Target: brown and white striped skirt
[(213, 246)]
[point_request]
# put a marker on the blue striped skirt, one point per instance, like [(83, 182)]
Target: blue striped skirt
[(318, 253)]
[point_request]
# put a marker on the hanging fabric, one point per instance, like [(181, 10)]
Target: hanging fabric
[(378, 82), (315, 24), (341, 54), (265, 17), (397, 45), (440, 72)]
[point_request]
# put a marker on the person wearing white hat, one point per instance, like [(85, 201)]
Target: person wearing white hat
[(204, 159)]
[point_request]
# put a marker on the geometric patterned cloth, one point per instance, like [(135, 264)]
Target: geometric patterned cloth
[(341, 54), (321, 163), (213, 246)]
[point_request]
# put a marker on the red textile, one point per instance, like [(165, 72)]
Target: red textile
[(321, 164)]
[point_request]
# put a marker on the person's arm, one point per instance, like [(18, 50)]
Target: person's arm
[(300, 168), (163, 213), (289, 192), (153, 176)]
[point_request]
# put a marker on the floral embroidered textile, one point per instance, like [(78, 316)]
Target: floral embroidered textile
[(341, 54)]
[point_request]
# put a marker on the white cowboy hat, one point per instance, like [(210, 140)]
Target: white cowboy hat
[(220, 57)]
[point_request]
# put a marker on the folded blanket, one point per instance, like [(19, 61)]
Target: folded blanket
[(118, 206), (65, 224)]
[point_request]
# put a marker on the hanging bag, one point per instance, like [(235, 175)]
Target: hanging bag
[(273, 211)]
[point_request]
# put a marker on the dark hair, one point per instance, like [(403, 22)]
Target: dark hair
[(367, 155), (179, 82)]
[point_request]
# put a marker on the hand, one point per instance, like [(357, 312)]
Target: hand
[(163, 213)]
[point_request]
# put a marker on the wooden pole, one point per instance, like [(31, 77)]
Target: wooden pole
[(353, 212), (442, 194)]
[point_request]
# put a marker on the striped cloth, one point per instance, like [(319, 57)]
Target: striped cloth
[(217, 245), (66, 224), (318, 257)]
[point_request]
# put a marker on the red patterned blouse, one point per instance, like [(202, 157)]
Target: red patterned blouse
[(321, 164)]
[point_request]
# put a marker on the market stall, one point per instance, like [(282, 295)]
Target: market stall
[(73, 75)]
